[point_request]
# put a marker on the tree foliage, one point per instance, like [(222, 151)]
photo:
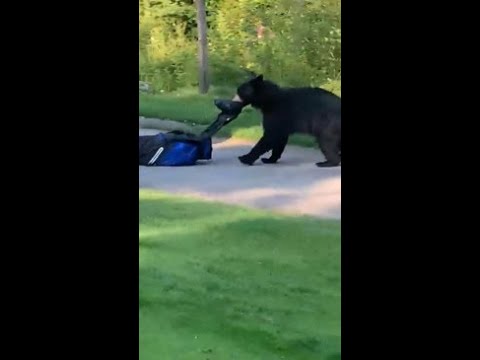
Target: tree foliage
[(294, 42)]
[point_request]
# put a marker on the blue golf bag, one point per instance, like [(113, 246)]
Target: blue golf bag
[(173, 149), (179, 148)]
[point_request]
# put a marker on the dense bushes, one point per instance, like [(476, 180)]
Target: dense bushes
[(294, 42)]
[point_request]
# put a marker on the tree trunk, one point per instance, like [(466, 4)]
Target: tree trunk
[(203, 82)]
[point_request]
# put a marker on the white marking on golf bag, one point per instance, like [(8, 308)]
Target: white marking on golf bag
[(155, 157)]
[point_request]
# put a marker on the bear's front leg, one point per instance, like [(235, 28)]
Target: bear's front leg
[(277, 150), (258, 150)]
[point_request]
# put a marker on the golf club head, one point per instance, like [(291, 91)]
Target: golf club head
[(228, 107)]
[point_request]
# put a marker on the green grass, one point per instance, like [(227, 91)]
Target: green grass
[(220, 282), (186, 105)]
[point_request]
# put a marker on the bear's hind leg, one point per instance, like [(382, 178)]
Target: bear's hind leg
[(330, 149)]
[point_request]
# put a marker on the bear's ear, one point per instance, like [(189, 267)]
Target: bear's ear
[(259, 78), (250, 74)]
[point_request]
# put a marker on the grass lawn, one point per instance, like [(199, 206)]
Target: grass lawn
[(186, 105), (220, 282)]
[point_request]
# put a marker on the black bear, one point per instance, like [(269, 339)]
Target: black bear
[(285, 111)]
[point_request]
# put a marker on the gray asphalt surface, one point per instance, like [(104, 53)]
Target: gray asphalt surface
[(293, 186)]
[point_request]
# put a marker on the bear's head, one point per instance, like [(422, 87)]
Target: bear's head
[(255, 91)]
